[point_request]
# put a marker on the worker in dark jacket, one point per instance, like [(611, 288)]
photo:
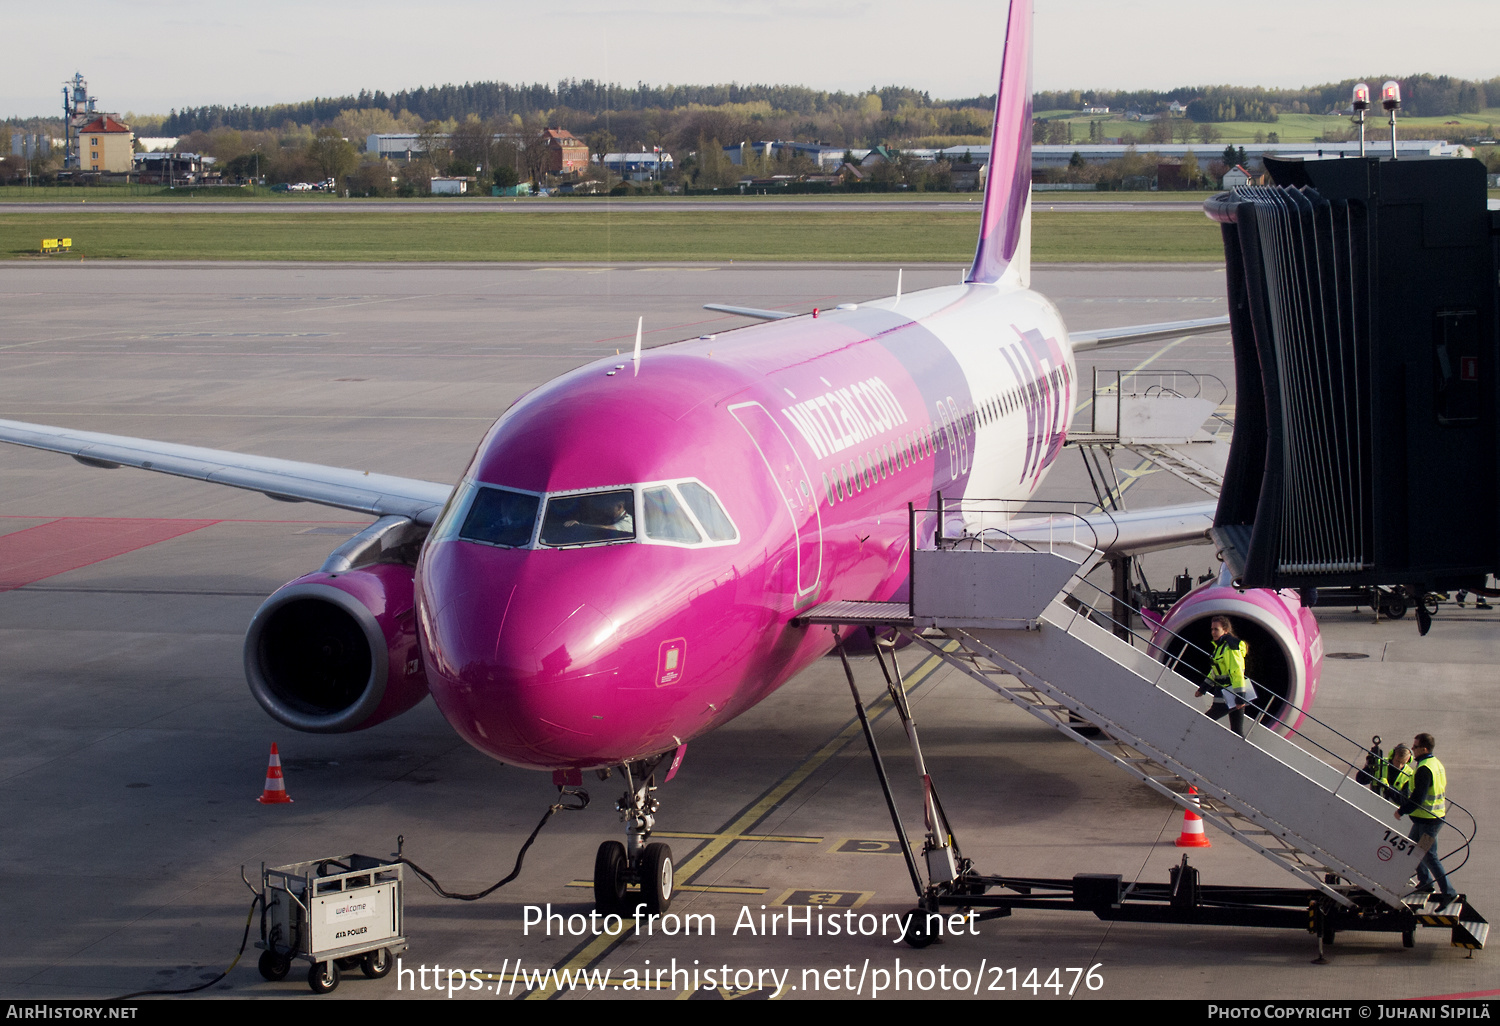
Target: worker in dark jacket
[(1427, 805)]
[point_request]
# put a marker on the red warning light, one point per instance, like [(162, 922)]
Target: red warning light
[(1390, 95), (1362, 96)]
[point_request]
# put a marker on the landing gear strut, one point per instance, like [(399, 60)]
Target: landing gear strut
[(649, 865)]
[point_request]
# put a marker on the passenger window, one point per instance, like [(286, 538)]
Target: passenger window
[(665, 519), (500, 517), (589, 519), (708, 511)]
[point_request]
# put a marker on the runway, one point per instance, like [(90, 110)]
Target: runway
[(134, 751)]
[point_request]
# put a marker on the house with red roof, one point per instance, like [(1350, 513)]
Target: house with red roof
[(105, 144), (566, 153)]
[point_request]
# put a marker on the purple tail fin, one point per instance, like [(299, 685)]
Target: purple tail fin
[(1005, 234)]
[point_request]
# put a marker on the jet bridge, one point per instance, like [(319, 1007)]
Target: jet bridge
[(1365, 314), (1009, 605)]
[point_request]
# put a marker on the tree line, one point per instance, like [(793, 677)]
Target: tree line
[(487, 100), (1423, 95)]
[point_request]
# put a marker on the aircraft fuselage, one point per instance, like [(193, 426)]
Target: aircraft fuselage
[(619, 568)]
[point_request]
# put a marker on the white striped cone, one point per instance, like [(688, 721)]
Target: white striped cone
[(275, 790), (1192, 835)]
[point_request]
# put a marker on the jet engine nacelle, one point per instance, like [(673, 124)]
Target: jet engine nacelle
[(335, 652), (1285, 656)]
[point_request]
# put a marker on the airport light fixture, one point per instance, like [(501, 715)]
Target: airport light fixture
[(1360, 105), (1390, 99)]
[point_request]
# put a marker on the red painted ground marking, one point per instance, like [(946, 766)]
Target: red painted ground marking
[(1461, 997), (67, 544)]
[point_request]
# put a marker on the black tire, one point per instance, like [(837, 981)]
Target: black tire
[(376, 964), (610, 870), (915, 933), (323, 977), (274, 967), (657, 885), (1408, 938), (1395, 607)]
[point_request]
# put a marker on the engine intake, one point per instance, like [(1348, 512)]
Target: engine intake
[(336, 652), (1285, 647)]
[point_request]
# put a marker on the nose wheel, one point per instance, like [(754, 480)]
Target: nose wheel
[(611, 878), (635, 874)]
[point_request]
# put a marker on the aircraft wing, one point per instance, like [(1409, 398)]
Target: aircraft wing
[(750, 311), (1108, 338), (1121, 533), (356, 490)]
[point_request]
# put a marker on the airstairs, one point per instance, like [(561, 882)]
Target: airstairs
[(1014, 616), (1158, 416)]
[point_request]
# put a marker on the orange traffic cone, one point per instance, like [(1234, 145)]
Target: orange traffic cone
[(275, 790), (1192, 825)]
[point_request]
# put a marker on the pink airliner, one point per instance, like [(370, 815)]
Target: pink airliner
[(621, 565)]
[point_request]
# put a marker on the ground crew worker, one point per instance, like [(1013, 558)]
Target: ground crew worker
[(1399, 775), (1427, 804), (1226, 675)]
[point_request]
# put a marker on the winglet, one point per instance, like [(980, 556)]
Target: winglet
[(1004, 252)]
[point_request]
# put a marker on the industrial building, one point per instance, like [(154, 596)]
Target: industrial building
[(175, 169), (566, 154), (638, 167)]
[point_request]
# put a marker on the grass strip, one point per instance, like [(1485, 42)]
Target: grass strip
[(618, 236)]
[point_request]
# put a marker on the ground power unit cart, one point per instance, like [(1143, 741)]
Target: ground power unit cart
[(334, 913)]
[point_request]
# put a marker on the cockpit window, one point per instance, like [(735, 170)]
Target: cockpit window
[(590, 519), (499, 516), (665, 518), (675, 513), (708, 511)]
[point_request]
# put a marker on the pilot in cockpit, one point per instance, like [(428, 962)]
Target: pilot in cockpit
[(611, 514)]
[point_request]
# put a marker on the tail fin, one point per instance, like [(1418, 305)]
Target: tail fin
[(1004, 253)]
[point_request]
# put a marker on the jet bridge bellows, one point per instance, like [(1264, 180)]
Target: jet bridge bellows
[(1362, 298)]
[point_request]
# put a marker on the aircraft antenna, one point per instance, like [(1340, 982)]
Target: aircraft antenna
[(898, 284), (639, 322)]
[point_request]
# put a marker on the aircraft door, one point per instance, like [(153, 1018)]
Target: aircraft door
[(795, 484)]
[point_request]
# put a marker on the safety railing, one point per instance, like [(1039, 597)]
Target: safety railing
[(1038, 526), (1111, 387)]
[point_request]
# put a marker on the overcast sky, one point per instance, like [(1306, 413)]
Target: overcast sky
[(149, 56)]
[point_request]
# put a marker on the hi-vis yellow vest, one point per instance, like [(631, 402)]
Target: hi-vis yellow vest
[(1406, 779), (1228, 667), (1436, 805)]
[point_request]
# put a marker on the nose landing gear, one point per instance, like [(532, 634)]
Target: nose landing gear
[(647, 865)]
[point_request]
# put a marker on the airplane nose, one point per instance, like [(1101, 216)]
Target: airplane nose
[(524, 668)]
